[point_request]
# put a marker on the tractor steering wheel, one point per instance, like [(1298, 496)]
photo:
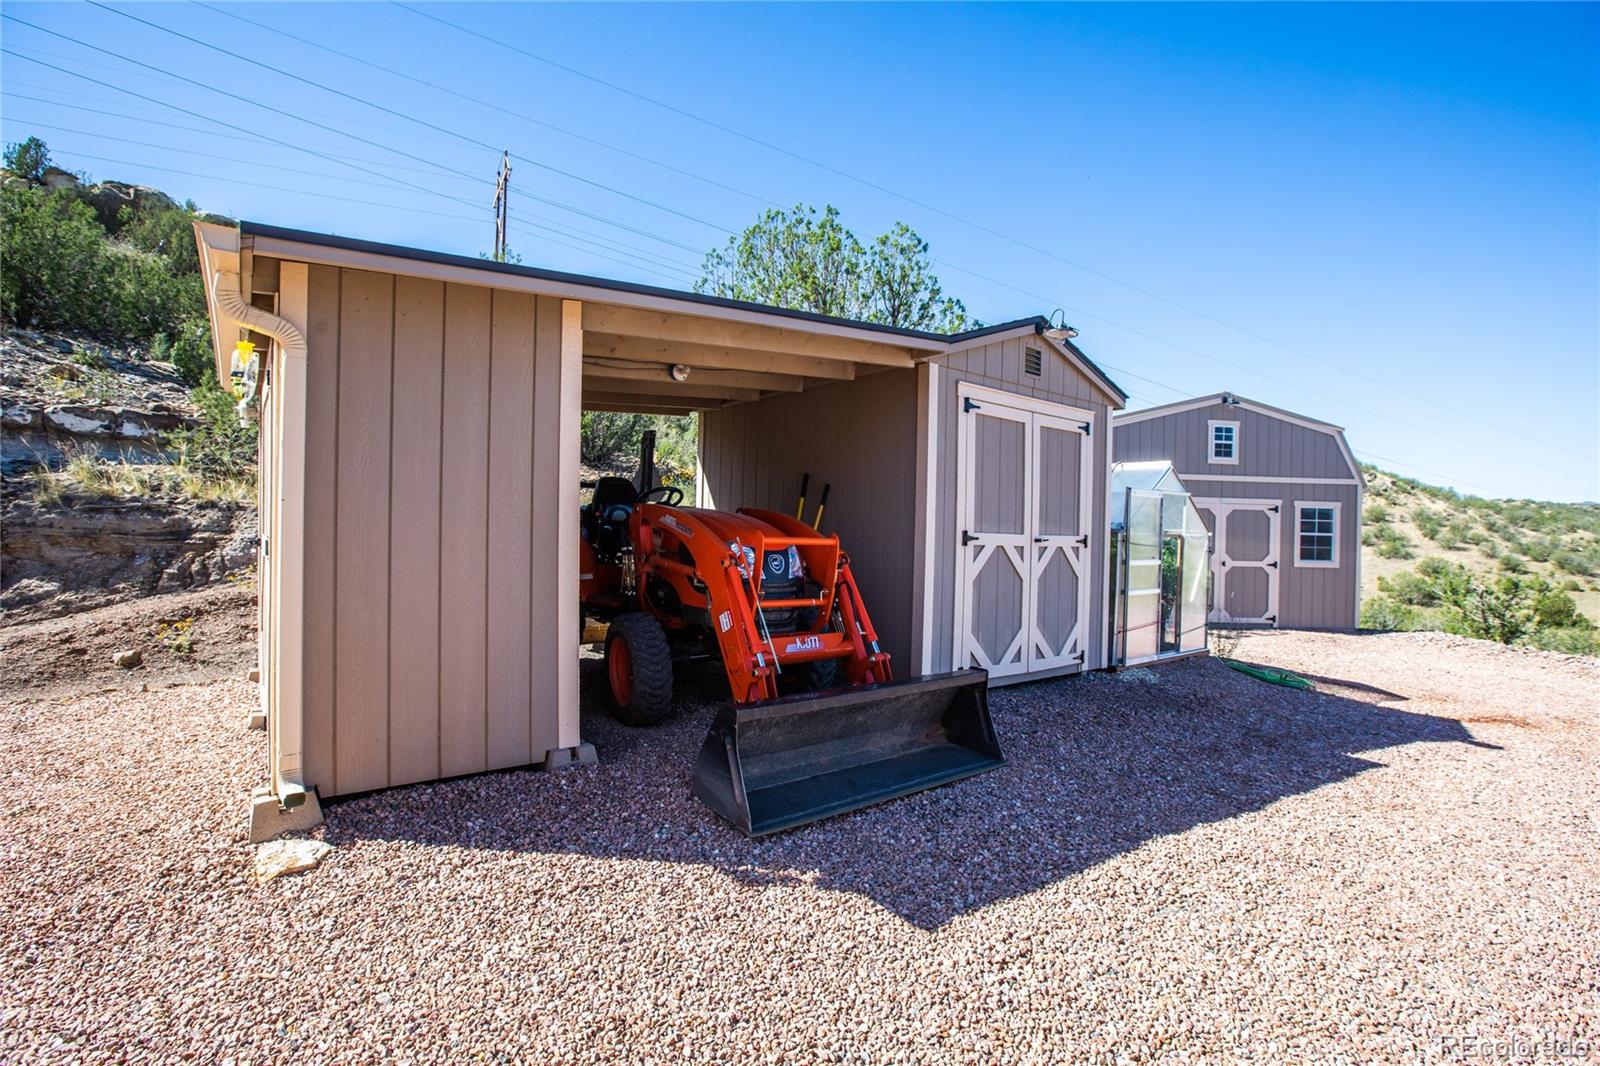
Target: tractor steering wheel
[(669, 495)]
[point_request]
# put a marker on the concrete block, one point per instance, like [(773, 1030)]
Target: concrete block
[(256, 720), (564, 758), (269, 818)]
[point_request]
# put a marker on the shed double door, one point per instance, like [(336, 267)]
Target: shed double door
[(1023, 503), (1244, 559)]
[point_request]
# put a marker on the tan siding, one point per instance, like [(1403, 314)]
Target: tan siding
[(999, 366), (511, 545), (322, 430), (361, 626), (861, 436), (463, 609), (414, 518), (544, 649)]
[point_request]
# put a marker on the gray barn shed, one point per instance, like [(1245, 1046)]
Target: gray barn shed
[(1282, 494), (419, 488)]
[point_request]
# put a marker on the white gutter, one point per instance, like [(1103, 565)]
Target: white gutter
[(285, 727)]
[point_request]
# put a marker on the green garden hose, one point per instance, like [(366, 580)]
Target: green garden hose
[(1269, 675)]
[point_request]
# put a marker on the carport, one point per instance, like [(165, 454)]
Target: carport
[(419, 488)]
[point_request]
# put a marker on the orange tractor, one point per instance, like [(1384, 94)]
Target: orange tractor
[(775, 599)]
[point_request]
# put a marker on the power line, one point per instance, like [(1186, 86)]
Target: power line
[(523, 116), (457, 134), (315, 194), (981, 227), (273, 140), (313, 152), (388, 148)]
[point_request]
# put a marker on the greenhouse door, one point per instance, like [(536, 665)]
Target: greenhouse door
[(1023, 496), (1244, 567)]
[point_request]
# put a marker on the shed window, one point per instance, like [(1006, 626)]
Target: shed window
[(1032, 361), (1317, 534), (1222, 442)]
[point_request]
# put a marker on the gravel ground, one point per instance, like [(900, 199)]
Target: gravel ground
[(1177, 864)]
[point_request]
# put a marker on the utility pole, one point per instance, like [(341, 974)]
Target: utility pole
[(502, 206)]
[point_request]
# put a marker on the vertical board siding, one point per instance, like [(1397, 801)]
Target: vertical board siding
[(1308, 597), (543, 648), (999, 366), (414, 520), (463, 540), (753, 454), (510, 538), (361, 552), (1268, 446), (431, 594), (862, 437), (322, 433)]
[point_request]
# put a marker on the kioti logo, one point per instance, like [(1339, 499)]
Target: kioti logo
[(806, 644)]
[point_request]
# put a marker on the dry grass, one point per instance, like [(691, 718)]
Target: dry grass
[(87, 475)]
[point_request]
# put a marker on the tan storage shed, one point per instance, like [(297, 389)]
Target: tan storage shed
[(420, 417), (1282, 495)]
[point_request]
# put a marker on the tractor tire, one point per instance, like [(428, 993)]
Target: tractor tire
[(639, 668), (822, 675)]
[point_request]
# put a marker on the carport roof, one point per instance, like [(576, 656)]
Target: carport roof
[(925, 343)]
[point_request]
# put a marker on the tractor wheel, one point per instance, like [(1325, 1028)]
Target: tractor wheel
[(639, 666), (823, 675)]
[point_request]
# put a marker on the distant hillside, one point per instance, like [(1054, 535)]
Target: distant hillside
[(1413, 531)]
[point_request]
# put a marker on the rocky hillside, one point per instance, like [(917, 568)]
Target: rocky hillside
[(99, 500)]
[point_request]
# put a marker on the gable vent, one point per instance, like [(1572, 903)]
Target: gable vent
[(1032, 361)]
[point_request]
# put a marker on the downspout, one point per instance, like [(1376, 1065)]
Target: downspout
[(288, 777)]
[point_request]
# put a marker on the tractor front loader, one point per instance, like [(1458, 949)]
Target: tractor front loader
[(775, 600)]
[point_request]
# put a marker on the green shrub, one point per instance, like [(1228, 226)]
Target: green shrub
[(1500, 610), (1383, 613), (1586, 563), (220, 447), (54, 255), (1415, 590), (1451, 536), (1392, 544), (1553, 608), (1513, 564), (1574, 641), (1377, 513), (1428, 522)]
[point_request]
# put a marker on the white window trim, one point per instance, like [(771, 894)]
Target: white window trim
[(1318, 564), (1211, 442)]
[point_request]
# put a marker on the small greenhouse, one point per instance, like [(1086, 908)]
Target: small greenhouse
[(1160, 566)]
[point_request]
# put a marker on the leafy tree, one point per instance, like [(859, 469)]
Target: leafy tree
[(28, 159), (809, 262), (55, 261)]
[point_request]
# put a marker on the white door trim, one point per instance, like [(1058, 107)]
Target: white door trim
[(1075, 549), (1220, 508), (1026, 410)]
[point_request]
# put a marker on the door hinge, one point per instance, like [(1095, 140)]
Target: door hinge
[(1273, 508), (969, 404), (266, 548), (1082, 655), (1088, 429), (1083, 541), (967, 537), (1273, 565)]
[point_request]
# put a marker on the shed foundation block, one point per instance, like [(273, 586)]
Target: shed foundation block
[(269, 818), (564, 758)]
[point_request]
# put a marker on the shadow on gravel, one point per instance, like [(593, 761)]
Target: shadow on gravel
[(1098, 765)]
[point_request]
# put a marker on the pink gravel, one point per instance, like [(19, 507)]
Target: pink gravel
[(1179, 864)]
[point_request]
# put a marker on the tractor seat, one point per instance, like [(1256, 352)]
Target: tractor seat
[(608, 537)]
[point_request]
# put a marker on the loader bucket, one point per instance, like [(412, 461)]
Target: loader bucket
[(780, 763)]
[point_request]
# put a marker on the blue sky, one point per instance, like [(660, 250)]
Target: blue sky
[(1383, 216)]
